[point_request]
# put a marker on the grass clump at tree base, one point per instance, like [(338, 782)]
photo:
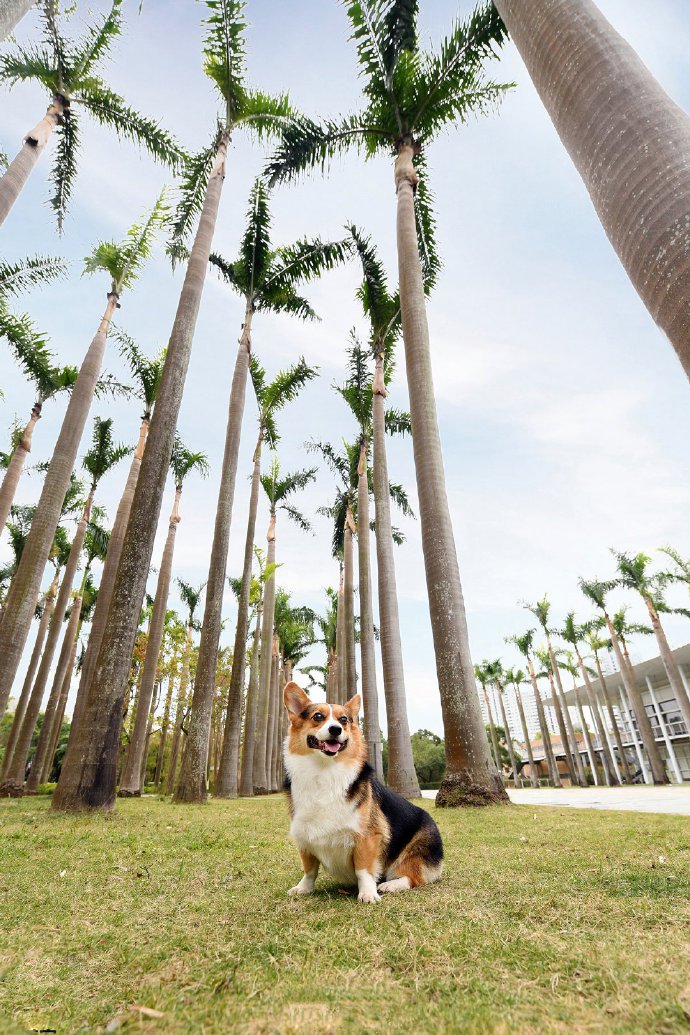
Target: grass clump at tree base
[(545, 919)]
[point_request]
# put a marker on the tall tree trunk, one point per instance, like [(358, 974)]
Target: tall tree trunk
[(45, 737), (622, 757), (227, 779), (669, 663), (13, 780), (656, 764), (62, 701), (129, 780), (89, 773), (349, 600), (629, 141), (247, 772), (543, 726), (170, 779), (492, 733), (581, 776), (165, 724), (11, 13), (147, 739), (533, 776), (509, 739), (470, 777), (272, 717), (585, 734), (20, 710), (402, 776), (21, 599), (340, 648), (366, 619), (15, 467), (332, 676), (606, 759), (192, 782), (562, 729), (13, 180), (260, 775)]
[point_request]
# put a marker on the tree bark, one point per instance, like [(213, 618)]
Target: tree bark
[(192, 783), (13, 780), (165, 724), (227, 778), (366, 620), (545, 735), (62, 702), (606, 759), (402, 776), (623, 760), (260, 775), (349, 602), (470, 777), (13, 180), (565, 722), (179, 715), (88, 776), (586, 735), (509, 741), (340, 648), (533, 776), (247, 773), (669, 663), (21, 599), (492, 733), (130, 785), (628, 140), (272, 719), (15, 467)]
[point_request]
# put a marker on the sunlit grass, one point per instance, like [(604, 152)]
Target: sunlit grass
[(545, 920)]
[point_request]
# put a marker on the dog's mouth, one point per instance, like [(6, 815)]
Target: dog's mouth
[(326, 747)]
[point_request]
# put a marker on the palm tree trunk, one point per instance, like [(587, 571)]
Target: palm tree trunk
[(192, 783), (13, 181), (402, 776), (492, 733), (20, 710), (332, 676), (470, 777), (533, 776), (15, 467), (147, 739), (129, 780), (656, 765), (179, 717), (62, 702), (13, 779), (340, 648), (622, 757), (586, 734), (606, 759), (545, 735), (90, 770), (509, 739), (45, 737), (21, 599), (165, 724), (669, 663), (629, 141), (349, 601), (366, 620), (260, 776), (570, 742), (11, 13), (227, 778), (247, 773), (272, 718)]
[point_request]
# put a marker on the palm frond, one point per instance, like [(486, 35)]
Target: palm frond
[(231, 272), (23, 274), (286, 385), (191, 194), (29, 64), (306, 144), (400, 498), (426, 228), (264, 115), (64, 168), (110, 110), (183, 461), (224, 55), (258, 376), (256, 241), (125, 261), (398, 422), (305, 260), (297, 516), (146, 371), (97, 40), (373, 292), (337, 462)]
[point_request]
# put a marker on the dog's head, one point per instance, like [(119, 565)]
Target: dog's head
[(330, 731)]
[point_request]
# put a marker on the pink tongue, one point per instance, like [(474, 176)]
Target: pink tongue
[(331, 749)]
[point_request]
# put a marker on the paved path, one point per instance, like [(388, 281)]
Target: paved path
[(674, 799)]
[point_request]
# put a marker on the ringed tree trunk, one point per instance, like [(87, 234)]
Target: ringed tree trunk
[(340, 649), (509, 739), (402, 776), (227, 785), (349, 609), (89, 772), (581, 776), (622, 757), (21, 599), (20, 710), (15, 467), (13, 780), (669, 662), (247, 772), (13, 180), (470, 778), (260, 776), (130, 784), (62, 703), (656, 764), (45, 737), (192, 783), (545, 735), (533, 777), (366, 619), (628, 140)]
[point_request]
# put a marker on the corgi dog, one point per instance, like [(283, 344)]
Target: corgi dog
[(342, 818)]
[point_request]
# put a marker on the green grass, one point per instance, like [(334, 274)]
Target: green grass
[(546, 920)]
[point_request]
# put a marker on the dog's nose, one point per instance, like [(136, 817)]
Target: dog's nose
[(335, 731)]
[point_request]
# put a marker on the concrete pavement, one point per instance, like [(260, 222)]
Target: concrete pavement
[(674, 799)]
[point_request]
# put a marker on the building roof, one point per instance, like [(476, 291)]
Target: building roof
[(652, 668)]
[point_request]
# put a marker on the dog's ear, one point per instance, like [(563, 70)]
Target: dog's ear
[(295, 698), (353, 706)]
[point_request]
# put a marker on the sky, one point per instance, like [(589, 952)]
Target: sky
[(563, 410)]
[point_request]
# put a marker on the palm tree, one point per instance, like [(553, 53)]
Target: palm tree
[(122, 263), (595, 644), (541, 611), (482, 676), (191, 597), (525, 645), (517, 677), (567, 663), (410, 96), (326, 624), (596, 592), (294, 634), (633, 574), (103, 455), (495, 673), (271, 397), (68, 71), (176, 634), (629, 142), (256, 599), (575, 635), (90, 768), (182, 462)]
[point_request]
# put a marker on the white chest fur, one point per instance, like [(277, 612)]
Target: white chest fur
[(324, 822)]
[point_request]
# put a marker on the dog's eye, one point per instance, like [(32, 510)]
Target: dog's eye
[(317, 717), (343, 719)]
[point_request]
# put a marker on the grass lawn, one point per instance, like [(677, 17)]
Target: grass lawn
[(546, 920)]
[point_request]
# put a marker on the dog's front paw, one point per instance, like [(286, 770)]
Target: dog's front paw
[(300, 889), (369, 895)]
